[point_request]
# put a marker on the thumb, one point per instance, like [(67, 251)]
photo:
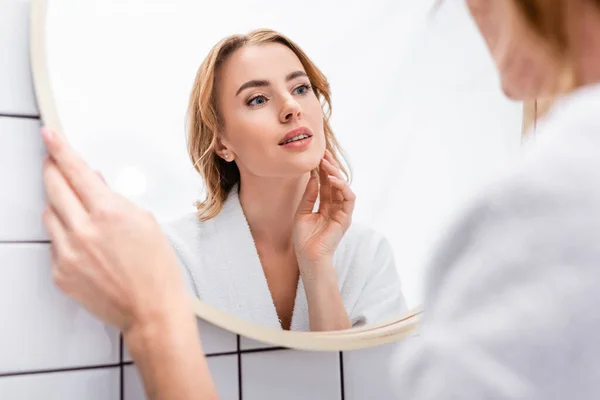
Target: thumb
[(310, 195)]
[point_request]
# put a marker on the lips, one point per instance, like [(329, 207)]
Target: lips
[(301, 131)]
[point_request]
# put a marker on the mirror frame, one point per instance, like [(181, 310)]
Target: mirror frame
[(343, 340)]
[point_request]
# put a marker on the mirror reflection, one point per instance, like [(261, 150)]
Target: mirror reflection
[(262, 140)]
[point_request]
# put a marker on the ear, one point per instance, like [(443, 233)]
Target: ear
[(222, 149)]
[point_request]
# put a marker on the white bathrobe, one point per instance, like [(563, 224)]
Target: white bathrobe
[(222, 267), (512, 303)]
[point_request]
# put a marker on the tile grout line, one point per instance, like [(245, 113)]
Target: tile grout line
[(259, 350), (231, 353), (239, 357), (122, 368), (342, 375), (249, 351), (58, 370), (24, 116), (24, 242)]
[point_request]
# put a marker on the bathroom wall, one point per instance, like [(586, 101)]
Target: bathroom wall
[(52, 349)]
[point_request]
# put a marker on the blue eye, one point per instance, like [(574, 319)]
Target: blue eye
[(303, 89), (257, 101)]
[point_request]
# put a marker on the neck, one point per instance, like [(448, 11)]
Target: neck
[(270, 205)]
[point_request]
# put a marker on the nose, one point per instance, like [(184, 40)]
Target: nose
[(291, 110)]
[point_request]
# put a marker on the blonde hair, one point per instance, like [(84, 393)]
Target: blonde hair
[(205, 121)]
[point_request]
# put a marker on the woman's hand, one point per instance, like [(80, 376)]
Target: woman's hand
[(111, 257), (317, 235), (107, 253)]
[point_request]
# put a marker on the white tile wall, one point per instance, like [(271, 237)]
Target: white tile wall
[(94, 384), (16, 87), (367, 369), (22, 196), (291, 375), (224, 371), (42, 328)]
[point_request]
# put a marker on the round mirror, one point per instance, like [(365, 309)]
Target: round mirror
[(222, 152)]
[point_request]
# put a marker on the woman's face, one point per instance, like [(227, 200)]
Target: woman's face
[(273, 121), (527, 70)]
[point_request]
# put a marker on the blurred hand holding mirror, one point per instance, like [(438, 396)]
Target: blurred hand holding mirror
[(218, 136)]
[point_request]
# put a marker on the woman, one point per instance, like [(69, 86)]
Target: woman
[(512, 294), (255, 249)]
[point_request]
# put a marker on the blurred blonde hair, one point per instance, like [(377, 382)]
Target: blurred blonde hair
[(204, 120)]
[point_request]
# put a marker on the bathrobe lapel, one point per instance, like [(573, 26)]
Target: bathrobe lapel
[(247, 280), (231, 233)]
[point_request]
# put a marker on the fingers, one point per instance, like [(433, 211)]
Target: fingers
[(86, 184), (309, 198), (349, 198), (55, 228), (58, 236), (332, 168), (62, 199), (329, 157), (333, 172), (325, 192)]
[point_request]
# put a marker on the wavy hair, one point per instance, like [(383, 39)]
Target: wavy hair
[(204, 119)]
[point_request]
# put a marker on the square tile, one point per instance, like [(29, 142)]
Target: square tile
[(291, 375), (132, 384), (96, 384), (17, 95), (214, 340), (22, 202), (41, 327), (367, 372), (224, 371)]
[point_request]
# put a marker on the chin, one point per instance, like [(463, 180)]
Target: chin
[(519, 92), (513, 93), (307, 161)]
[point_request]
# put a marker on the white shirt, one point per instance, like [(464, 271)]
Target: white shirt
[(512, 301)]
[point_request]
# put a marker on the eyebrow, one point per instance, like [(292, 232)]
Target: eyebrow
[(263, 83)]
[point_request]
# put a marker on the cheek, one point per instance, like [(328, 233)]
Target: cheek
[(314, 114), (247, 135)]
